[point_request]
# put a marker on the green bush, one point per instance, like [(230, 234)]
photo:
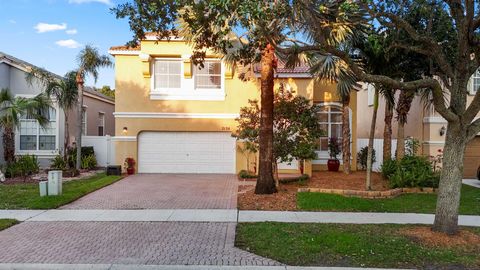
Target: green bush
[(89, 162), (388, 168), (22, 166), (362, 157), (245, 175), (411, 171), (72, 155), (58, 163)]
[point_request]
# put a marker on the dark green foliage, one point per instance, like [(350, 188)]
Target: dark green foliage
[(88, 162), (246, 175), (22, 166), (72, 154), (333, 148), (58, 163), (411, 171), (362, 157)]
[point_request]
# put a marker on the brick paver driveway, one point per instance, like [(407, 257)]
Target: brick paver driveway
[(164, 191), (171, 243)]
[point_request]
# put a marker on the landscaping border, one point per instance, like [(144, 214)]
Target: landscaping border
[(386, 194)]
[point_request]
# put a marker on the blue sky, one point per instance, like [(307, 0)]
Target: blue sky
[(50, 33)]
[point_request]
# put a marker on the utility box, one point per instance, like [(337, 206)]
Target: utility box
[(54, 183), (114, 170), (43, 188)]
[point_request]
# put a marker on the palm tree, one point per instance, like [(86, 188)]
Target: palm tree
[(389, 97), (89, 61), (11, 111), (403, 107), (65, 93)]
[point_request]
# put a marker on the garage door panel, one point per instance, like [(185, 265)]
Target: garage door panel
[(186, 152), (472, 158)]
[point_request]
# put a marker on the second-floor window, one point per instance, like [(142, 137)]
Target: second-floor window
[(475, 82), (208, 77), (101, 124), (168, 74), (33, 137)]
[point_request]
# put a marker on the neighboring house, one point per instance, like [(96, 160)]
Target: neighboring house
[(173, 117), (423, 124), (98, 117), (47, 142)]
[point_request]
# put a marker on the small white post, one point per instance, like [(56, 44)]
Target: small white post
[(43, 188), (54, 183)]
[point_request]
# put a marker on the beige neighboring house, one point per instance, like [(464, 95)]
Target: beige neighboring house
[(423, 124), (98, 115)]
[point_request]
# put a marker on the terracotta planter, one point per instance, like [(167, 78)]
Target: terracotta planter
[(333, 165), (130, 171)]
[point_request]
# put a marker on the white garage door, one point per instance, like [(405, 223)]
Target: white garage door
[(186, 152)]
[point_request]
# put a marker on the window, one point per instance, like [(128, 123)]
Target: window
[(475, 82), (101, 124), (330, 119), (208, 77), (84, 121), (168, 74), (33, 137)]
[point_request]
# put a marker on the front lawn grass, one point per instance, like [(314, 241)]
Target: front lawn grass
[(5, 223), (27, 196), (350, 245), (406, 203)]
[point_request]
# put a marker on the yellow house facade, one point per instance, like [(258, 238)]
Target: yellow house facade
[(173, 117)]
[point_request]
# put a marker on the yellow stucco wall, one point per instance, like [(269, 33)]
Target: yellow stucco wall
[(133, 87)]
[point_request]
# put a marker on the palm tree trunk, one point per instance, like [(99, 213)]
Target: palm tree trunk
[(79, 120), (387, 133), (8, 145), (400, 141), (368, 184), (266, 182), (346, 135), (67, 137)]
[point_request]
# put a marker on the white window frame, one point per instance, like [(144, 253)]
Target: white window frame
[(323, 156), (471, 88), (101, 120), (40, 152), (187, 89)]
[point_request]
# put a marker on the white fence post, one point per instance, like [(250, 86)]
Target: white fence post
[(103, 147), (378, 146)]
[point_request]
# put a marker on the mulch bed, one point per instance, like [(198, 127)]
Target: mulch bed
[(286, 198), (43, 177), (465, 240)]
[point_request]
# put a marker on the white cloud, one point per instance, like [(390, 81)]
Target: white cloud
[(106, 2), (68, 43), (71, 31), (46, 27), (12, 21)]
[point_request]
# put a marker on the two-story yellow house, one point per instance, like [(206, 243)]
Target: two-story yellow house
[(173, 117)]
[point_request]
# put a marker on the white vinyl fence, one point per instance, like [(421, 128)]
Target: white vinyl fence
[(103, 147), (378, 146)]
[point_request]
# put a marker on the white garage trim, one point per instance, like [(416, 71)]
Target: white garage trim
[(186, 152)]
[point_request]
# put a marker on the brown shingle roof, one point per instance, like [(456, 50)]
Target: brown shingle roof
[(125, 48), (281, 68)]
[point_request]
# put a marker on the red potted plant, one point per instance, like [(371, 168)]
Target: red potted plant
[(130, 165), (333, 163)]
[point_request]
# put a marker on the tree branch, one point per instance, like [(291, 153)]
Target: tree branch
[(473, 129), (473, 109)]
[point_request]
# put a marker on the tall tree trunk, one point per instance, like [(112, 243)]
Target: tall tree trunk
[(403, 107), (448, 200), (265, 181), (368, 184), (346, 135), (8, 145), (79, 120), (67, 137), (387, 132)]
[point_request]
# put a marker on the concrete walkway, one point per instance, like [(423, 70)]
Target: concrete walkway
[(226, 215), (472, 182), (165, 267)]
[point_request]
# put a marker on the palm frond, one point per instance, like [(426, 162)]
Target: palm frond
[(90, 60)]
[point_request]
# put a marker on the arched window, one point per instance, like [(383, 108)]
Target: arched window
[(474, 83), (330, 119)]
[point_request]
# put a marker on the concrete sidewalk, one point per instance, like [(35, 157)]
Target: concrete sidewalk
[(166, 267), (472, 182), (227, 215)]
